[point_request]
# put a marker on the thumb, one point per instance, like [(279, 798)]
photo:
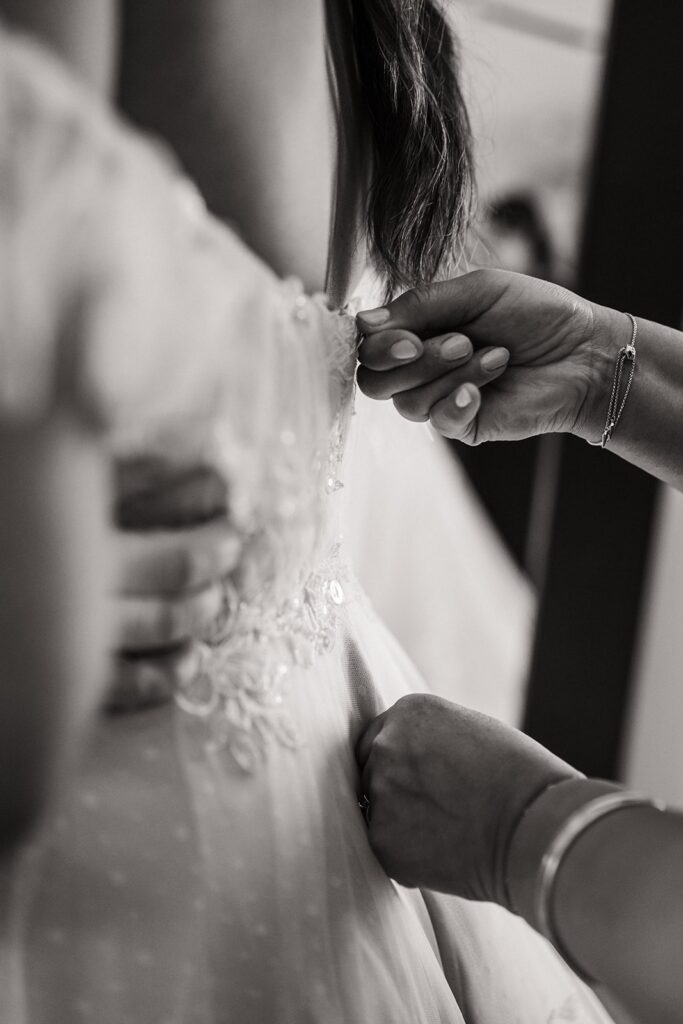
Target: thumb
[(435, 308)]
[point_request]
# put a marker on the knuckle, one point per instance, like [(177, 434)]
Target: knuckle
[(418, 296), (479, 275), (466, 437), (408, 710), (488, 277), (450, 425), (380, 755), (411, 406), (415, 701), (372, 383)]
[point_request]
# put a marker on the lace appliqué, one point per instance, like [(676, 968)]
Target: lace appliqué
[(242, 681), (269, 628)]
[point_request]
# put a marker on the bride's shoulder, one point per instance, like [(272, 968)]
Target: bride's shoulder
[(110, 255)]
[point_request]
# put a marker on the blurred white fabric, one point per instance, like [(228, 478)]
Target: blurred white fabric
[(430, 560)]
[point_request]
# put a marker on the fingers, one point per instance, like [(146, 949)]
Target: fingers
[(415, 389), (151, 680), (456, 415), (439, 356), (444, 306), (155, 623), (389, 349), (381, 374), (482, 369), (153, 494), (386, 351), (174, 561)]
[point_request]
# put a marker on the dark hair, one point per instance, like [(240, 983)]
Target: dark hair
[(421, 164)]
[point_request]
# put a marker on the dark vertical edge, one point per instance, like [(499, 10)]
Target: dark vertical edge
[(599, 546)]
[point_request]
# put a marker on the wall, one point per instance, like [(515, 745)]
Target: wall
[(653, 758)]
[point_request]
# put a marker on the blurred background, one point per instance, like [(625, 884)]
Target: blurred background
[(576, 111)]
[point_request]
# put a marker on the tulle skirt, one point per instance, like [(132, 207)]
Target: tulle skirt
[(452, 594), (170, 887)]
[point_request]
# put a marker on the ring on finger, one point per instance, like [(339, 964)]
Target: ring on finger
[(364, 804)]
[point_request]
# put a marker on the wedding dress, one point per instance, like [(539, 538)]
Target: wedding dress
[(209, 861), (463, 611)]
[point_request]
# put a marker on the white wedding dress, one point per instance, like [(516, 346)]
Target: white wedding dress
[(430, 560), (209, 863)]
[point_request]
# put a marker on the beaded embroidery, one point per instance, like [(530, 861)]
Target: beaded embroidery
[(246, 664), (241, 683), (273, 426)]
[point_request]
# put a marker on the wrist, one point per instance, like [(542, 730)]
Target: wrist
[(610, 332), (534, 833)]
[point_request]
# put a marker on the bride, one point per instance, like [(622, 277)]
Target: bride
[(209, 861)]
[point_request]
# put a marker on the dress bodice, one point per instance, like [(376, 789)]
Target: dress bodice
[(280, 454), (189, 351)]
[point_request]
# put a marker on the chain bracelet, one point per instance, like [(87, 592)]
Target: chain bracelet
[(617, 402)]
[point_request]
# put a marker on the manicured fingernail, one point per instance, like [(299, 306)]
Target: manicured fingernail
[(403, 349), (495, 359), (455, 347), (463, 397), (375, 317)]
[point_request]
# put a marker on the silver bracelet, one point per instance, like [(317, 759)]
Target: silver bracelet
[(626, 354), (564, 839)]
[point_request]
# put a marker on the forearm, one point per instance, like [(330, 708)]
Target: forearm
[(53, 553), (650, 431), (619, 909), (617, 903)]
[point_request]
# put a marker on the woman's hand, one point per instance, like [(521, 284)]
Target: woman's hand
[(175, 549), (529, 343), (446, 787), (171, 595)]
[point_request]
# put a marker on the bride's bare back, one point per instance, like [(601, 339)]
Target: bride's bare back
[(241, 92)]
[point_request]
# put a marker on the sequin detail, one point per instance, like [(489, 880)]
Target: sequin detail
[(242, 681), (282, 603)]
